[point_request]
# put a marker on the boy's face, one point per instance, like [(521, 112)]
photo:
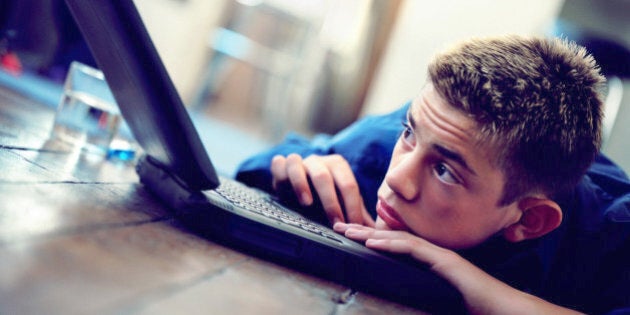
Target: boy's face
[(441, 185)]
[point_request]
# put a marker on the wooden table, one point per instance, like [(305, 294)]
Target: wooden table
[(80, 235)]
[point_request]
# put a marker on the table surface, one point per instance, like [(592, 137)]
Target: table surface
[(80, 235)]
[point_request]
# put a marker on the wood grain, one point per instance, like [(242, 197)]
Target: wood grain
[(80, 235)]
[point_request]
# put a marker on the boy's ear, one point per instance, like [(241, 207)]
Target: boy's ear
[(539, 216)]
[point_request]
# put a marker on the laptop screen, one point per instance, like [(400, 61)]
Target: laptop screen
[(145, 94)]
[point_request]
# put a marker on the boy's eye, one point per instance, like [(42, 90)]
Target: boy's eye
[(407, 134), (445, 174)]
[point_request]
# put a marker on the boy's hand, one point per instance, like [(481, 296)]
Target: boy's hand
[(482, 293), (332, 179), (400, 242)]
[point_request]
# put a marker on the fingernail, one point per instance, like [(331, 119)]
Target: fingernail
[(305, 199), (338, 226)]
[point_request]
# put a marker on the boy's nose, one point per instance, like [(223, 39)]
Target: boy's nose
[(404, 178)]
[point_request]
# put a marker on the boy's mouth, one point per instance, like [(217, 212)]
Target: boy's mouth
[(389, 216)]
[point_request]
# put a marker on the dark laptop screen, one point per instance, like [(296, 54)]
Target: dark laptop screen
[(147, 98)]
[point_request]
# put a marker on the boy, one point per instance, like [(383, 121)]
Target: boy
[(486, 181)]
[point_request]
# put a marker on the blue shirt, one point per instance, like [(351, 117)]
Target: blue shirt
[(584, 264)]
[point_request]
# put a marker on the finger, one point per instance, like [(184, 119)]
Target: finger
[(278, 170), (345, 181), (324, 184), (280, 180), (359, 233), (364, 233), (397, 246), (341, 227), (393, 241), (425, 252), (399, 242), (298, 178)]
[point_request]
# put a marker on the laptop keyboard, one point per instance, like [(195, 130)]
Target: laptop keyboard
[(247, 198)]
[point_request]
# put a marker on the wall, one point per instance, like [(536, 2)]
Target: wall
[(425, 27), (180, 30)]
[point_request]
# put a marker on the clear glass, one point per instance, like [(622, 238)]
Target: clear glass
[(87, 115)]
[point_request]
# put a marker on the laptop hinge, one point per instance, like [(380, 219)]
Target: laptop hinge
[(165, 185)]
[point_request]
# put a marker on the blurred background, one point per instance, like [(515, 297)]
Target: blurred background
[(268, 67)]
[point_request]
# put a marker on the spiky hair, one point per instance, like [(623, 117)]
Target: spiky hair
[(537, 101)]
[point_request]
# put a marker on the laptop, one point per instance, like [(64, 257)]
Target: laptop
[(177, 170)]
